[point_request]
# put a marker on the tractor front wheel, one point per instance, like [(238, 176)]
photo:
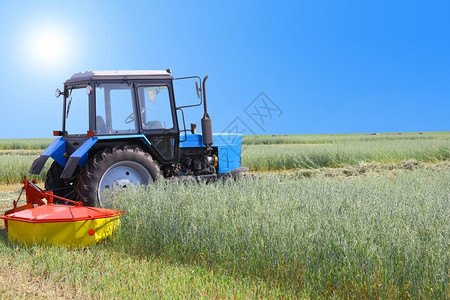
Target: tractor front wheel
[(116, 167)]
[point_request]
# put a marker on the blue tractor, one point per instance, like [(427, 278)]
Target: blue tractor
[(124, 128)]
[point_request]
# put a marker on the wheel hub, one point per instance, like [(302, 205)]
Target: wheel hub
[(122, 174)]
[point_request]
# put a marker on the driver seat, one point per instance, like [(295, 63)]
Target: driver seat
[(101, 125), (154, 125)]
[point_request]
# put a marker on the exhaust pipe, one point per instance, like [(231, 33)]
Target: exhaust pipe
[(207, 132)]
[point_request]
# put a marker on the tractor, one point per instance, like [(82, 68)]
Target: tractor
[(124, 128)]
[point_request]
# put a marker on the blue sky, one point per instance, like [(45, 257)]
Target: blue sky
[(303, 66)]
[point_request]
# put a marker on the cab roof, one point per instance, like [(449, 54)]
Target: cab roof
[(123, 75)]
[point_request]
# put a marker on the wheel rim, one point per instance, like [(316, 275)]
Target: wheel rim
[(122, 174)]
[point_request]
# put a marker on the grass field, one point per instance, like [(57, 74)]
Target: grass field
[(312, 156), (24, 144), (274, 153), (15, 164), (348, 217), (377, 236), (341, 138)]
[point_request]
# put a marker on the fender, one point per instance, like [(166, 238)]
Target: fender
[(80, 156), (56, 150)]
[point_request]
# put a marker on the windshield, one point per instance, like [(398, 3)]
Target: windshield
[(77, 111)]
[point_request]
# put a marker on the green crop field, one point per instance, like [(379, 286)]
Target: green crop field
[(275, 153), (15, 164), (24, 144), (341, 138), (312, 156), (318, 216)]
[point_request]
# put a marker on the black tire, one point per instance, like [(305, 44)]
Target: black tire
[(60, 187), (116, 166)]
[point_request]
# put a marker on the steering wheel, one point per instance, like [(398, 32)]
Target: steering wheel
[(130, 118)]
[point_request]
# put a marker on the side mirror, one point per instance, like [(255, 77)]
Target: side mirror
[(197, 89), (58, 93)]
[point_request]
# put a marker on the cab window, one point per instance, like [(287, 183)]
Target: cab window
[(115, 111), (155, 107), (77, 111)]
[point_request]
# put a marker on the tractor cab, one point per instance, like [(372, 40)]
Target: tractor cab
[(113, 104)]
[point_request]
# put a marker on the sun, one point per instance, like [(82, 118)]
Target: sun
[(48, 46)]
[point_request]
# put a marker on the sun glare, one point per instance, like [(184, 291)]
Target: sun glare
[(48, 47)]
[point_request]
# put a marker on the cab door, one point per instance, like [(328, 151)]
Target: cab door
[(158, 121)]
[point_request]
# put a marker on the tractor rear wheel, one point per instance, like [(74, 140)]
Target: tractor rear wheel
[(116, 167), (60, 187)]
